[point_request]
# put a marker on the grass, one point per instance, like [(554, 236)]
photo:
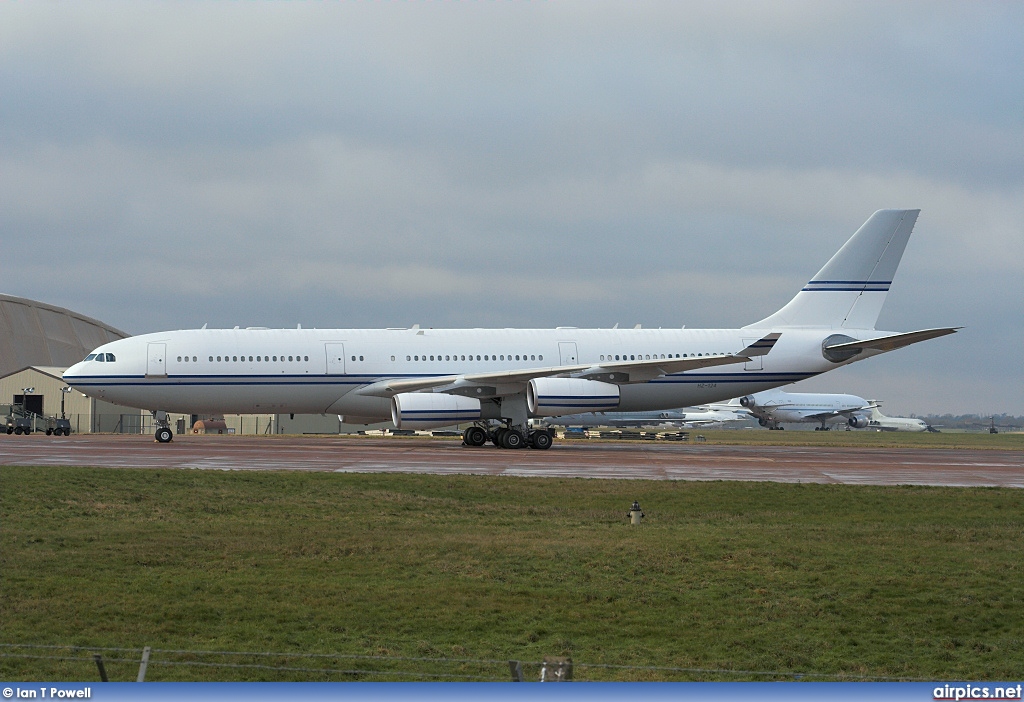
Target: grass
[(829, 579)]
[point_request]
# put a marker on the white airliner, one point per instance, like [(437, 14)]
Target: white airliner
[(717, 413), (499, 378), (879, 422), (773, 407)]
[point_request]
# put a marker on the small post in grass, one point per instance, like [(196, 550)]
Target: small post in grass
[(98, 657), (635, 514), (516, 668), (143, 665)]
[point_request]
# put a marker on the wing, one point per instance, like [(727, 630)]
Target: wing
[(512, 382), (837, 413)]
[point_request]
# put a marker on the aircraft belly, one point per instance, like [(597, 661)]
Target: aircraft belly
[(226, 398)]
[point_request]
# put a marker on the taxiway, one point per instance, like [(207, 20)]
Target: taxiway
[(638, 461)]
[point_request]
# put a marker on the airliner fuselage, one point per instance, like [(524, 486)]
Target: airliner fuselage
[(316, 370)]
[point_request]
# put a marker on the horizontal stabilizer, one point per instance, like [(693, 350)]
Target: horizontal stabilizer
[(896, 341)]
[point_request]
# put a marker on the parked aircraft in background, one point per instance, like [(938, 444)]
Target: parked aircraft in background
[(879, 422), (500, 378), (716, 413), (773, 407)]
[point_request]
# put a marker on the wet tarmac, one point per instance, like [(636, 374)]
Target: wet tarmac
[(577, 459)]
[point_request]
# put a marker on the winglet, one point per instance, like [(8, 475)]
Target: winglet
[(762, 346)]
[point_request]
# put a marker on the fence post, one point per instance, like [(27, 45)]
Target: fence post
[(143, 665), (98, 657), (516, 668)]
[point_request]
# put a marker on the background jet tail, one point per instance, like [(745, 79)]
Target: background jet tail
[(849, 291)]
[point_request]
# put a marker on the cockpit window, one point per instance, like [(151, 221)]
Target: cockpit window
[(99, 357), (90, 357), (110, 358)]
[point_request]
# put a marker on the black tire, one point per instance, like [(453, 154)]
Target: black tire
[(10, 430), (474, 436), (17, 431), (164, 435), (498, 437), (49, 432), (67, 432), (28, 430), (540, 440), (513, 440)]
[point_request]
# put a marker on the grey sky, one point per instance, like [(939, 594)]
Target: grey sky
[(165, 165)]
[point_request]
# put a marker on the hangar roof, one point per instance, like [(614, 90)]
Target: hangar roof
[(36, 334)]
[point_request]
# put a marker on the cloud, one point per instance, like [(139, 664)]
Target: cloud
[(503, 164)]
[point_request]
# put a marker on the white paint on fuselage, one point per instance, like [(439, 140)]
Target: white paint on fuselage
[(310, 386)]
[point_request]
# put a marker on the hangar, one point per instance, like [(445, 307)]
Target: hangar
[(36, 334), (39, 341)]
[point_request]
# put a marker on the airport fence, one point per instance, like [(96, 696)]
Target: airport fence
[(83, 663)]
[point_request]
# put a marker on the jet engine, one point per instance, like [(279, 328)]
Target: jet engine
[(551, 397), (858, 421), (428, 410), (749, 402)]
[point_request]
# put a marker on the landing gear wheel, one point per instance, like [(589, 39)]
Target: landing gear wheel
[(498, 437), (474, 436), (540, 440), (512, 439), (164, 435)]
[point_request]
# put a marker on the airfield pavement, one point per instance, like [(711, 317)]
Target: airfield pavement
[(576, 459)]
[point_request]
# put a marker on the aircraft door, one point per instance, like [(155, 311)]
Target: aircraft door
[(567, 353), (757, 362), (156, 363), (335, 358)]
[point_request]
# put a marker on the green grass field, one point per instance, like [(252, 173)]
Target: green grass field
[(834, 580)]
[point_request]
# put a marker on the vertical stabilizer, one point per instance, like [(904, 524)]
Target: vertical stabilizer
[(849, 291)]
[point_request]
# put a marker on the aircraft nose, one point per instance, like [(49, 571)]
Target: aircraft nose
[(72, 373)]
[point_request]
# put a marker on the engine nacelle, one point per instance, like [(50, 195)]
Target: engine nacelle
[(749, 402), (429, 410), (858, 421), (551, 397)]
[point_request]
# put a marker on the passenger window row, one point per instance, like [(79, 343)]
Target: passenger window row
[(236, 359), (653, 356), (471, 357)]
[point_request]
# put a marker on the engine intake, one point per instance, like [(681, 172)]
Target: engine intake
[(551, 397), (748, 401), (428, 410), (858, 422)]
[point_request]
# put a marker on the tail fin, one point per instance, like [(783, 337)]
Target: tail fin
[(849, 291)]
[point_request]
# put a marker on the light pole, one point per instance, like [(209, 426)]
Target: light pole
[(63, 393), (25, 392)]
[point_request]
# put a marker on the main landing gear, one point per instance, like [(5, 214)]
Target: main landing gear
[(164, 435), (507, 438)]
